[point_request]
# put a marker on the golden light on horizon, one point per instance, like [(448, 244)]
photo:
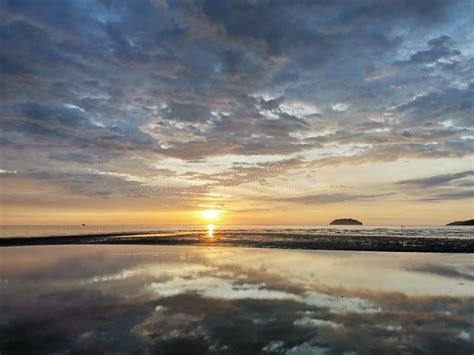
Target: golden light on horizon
[(210, 214)]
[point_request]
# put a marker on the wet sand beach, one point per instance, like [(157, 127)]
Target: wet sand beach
[(281, 239)]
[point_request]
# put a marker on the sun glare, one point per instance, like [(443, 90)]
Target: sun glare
[(210, 214)]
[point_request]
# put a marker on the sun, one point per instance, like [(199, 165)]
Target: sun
[(210, 214)]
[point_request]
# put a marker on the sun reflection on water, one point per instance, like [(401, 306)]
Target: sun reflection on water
[(210, 231)]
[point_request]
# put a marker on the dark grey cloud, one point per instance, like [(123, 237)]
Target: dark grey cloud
[(191, 112), (453, 105), (75, 157), (290, 31), (68, 133), (439, 48), (455, 195), (248, 126), (437, 180), (92, 184), (454, 186), (336, 198)]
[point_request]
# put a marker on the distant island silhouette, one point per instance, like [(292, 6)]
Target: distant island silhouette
[(345, 222), (469, 222)]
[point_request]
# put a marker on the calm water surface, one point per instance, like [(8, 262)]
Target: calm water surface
[(197, 300)]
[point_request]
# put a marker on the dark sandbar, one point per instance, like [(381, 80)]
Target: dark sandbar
[(262, 240)]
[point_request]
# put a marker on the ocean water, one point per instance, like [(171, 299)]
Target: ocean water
[(8, 231), (135, 299)]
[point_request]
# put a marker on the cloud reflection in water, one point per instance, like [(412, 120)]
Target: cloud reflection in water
[(125, 299)]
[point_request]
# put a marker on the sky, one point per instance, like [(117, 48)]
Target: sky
[(271, 112)]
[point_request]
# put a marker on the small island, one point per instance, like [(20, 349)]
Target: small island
[(345, 222), (469, 222)]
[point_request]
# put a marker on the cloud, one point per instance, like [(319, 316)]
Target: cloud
[(454, 105), (75, 157), (456, 195), (106, 84), (454, 186), (340, 107), (8, 172), (437, 180), (249, 126), (439, 48), (335, 198)]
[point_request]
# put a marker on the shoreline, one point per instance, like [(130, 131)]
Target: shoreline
[(258, 240)]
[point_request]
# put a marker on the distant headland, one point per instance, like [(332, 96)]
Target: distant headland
[(469, 222), (345, 222)]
